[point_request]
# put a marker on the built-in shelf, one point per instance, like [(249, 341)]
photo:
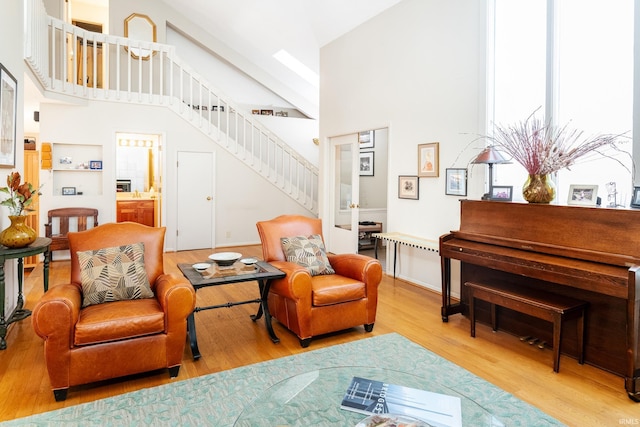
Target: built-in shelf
[(77, 169)]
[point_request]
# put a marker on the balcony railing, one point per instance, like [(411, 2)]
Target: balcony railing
[(71, 61)]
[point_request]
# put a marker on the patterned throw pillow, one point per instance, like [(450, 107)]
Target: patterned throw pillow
[(113, 274), (308, 252)]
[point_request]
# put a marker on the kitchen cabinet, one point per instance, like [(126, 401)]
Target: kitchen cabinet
[(141, 211)]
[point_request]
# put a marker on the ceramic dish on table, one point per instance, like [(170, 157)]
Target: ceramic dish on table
[(225, 259), (249, 261), (201, 266)]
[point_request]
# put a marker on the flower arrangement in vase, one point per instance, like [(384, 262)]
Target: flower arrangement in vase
[(542, 149), (21, 196)]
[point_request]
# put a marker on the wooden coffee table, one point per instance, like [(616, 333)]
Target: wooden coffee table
[(262, 272)]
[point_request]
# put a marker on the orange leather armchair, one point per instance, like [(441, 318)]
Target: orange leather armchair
[(114, 339), (315, 305)]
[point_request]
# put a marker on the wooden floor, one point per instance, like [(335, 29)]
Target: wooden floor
[(579, 395)]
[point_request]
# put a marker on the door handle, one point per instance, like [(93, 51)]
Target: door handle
[(354, 205), (209, 197)]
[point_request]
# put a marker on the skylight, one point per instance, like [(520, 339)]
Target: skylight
[(297, 67)]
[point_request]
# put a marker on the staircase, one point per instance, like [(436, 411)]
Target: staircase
[(70, 61)]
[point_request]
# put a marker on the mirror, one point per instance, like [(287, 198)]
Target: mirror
[(140, 27)]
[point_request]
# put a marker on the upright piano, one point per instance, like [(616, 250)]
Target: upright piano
[(588, 253)]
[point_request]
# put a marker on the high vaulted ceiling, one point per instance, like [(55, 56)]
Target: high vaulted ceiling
[(263, 27), (257, 29)]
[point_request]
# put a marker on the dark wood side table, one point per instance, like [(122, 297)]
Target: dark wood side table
[(262, 273), (40, 246)]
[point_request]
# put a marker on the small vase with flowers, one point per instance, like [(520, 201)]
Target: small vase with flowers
[(21, 196)]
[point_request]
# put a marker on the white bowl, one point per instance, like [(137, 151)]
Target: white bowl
[(224, 259), (201, 266), (249, 261)]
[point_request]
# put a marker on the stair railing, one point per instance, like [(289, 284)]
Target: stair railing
[(71, 61)]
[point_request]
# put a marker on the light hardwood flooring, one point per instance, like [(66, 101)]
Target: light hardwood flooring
[(579, 395)]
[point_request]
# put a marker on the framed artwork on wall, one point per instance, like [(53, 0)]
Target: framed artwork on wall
[(428, 161), (366, 139), (408, 187), (583, 195), (456, 182), (8, 114), (366, 163)]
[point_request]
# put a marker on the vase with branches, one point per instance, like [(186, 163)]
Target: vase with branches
[(543, 148)]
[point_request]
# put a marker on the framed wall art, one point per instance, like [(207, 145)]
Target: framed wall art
[(501, 193), (95, 164), (456, 182), (408, 187), (583, 195), (366, 139), (428, 161), (68, 191), (8, 114), (366, 163), (635, 198)]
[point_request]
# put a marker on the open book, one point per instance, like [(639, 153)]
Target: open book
[(375, 397)]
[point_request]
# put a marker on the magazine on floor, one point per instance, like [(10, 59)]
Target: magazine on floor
[(376, 397)]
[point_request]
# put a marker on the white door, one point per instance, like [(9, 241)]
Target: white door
[(345, 172), (195, 207)]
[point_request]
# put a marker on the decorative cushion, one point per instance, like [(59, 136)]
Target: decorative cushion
[(113, 274), (308, 252)]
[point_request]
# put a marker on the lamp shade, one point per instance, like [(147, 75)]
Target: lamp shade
[(490, 156)]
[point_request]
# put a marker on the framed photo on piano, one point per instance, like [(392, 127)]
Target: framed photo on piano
[(635, 198), (583, 195), (501, 193)]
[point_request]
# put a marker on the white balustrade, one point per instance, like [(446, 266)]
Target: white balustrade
[(71, 61)]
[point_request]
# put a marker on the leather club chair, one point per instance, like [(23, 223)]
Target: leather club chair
[(314, 305), (113, 339)]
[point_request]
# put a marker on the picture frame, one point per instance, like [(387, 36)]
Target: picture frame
[(266, 112), (456, 182), (68, 191), (366, 139), (367, 163), (635, 198), (428, 159), (583, 195), (408, 187), (8, 117), (95, 164), (501, 193)]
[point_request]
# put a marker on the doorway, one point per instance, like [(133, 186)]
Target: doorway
[(358, 168), (195, 203), (138, 178)]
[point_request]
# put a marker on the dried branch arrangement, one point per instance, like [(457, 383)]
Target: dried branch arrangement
[(543, 148)]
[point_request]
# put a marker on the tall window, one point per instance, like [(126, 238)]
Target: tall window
[(573, 59)]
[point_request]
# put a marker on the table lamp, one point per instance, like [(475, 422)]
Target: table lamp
[(489, 156)]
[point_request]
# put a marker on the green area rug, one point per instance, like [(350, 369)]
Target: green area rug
[(218, 399)]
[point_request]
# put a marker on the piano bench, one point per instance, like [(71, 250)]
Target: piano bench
[(537, 303)]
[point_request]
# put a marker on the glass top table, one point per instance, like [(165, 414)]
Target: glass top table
[(313, 399)]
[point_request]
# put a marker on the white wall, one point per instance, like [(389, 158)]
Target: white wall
[(242, 196), (417, 69), (11, 58)]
